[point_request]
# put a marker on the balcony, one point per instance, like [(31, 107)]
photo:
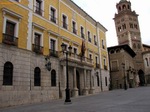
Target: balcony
[(105, 67), (78, 59), (37, 49), (97, 65), (38, 10), (82, 35), (89, 39), (53, 53), (53, 19), (65, 25), (95, 43), (10, 40), (74, 31)]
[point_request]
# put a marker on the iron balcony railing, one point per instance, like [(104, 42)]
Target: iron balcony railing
[(82, 35), (38, 10), (53, 53), (74, 31), (97, 65), (9, 39), (65, 25), (53, 18), (37, 49), (77, 58), (105, 67)]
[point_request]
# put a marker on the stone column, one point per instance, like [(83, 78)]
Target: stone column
[(75, 89), (85, 91), (63, 82), (91, 82)]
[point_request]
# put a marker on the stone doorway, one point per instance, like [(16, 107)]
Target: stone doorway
[(141, 77)]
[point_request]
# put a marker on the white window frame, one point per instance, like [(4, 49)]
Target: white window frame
[(75, 48), (50, 13), (75, 26), (97, 59), (56, 43), (13, 21), (88, 36), (66, 20), (42, 6), (83, 31), (41, 38)]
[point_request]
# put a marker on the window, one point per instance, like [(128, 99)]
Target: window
[(38, 6), (96, 59), (97, 79), (64, 20), (9, 35), (52, 44), (53, 78), (74, 27), (75, 50), (106, 81), (89, 36), (147, 64), (53, 51), (119, 29), (131, 25), (90, 56), (124, 26), (37, 46), (8, 74), (37, 76), (82, 32), (95, 41), (103, 45), (37, 39), (53, 15), (104, 61)]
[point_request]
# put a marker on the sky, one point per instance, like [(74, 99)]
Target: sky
[(103, 11)]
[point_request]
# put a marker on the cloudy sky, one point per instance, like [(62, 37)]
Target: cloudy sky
[(104, 10)]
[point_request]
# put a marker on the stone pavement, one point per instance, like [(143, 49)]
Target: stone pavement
[(131, 100)]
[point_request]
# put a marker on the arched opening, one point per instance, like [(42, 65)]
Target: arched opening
[(53, 78), (8, 74), (78, 81), (37, 76), (141, 78), (98, 84), (119, 9), (124, 7)]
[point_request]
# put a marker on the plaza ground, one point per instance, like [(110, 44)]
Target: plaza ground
[(131, 100)]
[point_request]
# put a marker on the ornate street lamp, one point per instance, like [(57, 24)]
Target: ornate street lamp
[(125, 85), (67, 100)]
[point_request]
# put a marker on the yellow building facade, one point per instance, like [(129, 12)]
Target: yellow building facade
[(31, 35)]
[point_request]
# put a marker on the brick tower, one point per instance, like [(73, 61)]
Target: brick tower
[(128, 32)]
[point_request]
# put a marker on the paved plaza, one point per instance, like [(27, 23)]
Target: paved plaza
[(131, 100)]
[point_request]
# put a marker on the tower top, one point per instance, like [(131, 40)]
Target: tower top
[(123, 0)]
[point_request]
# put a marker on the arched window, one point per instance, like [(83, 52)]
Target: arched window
[(37, 76), (97, 79), (146, 59), (8, 74), (124, 6), (53, 78), (119, 8)]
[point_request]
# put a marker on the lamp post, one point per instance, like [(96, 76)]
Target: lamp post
[(67, 100), (125, 85)]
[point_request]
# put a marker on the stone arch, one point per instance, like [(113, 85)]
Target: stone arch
[(141, 77)]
